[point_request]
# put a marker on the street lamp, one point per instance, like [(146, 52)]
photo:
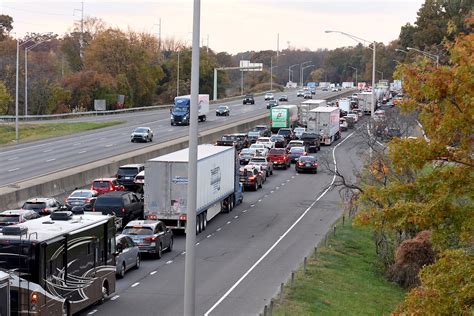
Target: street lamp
[(380, 72), (301, 71), (361, 40), (429, 55), (177, 76), (401, 50), (26, 72), (357, 82), (271, 70), (290, 71)]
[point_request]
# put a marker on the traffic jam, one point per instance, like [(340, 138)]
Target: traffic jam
[(133, 215)]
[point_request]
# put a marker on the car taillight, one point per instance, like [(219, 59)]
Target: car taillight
[(34, 298), (152, 217), (123, 210), (111, 188), (183, 217), (252, 178), (315, 164), (300, 163), (150, 238), (88, 200)]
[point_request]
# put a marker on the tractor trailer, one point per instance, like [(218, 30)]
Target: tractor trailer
[(325, 122)]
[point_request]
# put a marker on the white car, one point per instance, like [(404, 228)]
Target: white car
[(299, 131), (343, 124), (260, 149), (142, 134), (354, 115), (269, 96), (266, 141)]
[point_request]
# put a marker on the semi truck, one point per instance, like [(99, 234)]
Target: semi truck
[(325, 122), (348, 85), (307, 106), (283, 116), (365, 102), (344, 105), (180, 114), (166, 186)]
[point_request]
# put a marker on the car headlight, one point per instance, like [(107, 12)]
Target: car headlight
[(171, 116)]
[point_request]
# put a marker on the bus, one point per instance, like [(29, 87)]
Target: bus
[(59, 264)]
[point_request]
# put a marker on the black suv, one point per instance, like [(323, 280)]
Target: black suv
[(263, 129), (287, 133), (312, 142), (124, 204), (126, 174), (248, 99)]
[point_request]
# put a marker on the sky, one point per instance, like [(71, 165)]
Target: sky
[(230, 25)]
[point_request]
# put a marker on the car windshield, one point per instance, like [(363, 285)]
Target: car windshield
[(249, 96), (127, 171), (9, 218), (299, 130), (81, 194), (257, 146), (180, 109), (308, 136), (231, 138), (222, 107), (137, 230), (296, 150), (284, 132), (33, 205), (140, 130), (276, 138), (258, 160), (108, 201), (307, 159), (247, 151), (254, 134), (100, 184), (277, 151)]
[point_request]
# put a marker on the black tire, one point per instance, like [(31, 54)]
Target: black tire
[(159, 252), (285, 167), (121, 273), (198, 224), (255, 187), (132, 140), (261, 184), (105, 293), (231, 203), (151, 139), (271, 172), (204, 222), (170, 246), (137, 262), (66, 308), (316, 171)]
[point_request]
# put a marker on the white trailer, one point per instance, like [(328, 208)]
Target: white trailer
[(325, 122), (344, 105), (166, 186), (348, 85), (306, 106), (365, 102)]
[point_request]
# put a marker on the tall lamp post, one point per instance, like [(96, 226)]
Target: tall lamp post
[(190, 259), (357, 82), (177, 77), (429, 55), (26, 72), (361, 40), (18, 45), (271, 69), (301, 71), (380, 72), (290, 71)]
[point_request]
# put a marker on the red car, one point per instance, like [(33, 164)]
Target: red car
[(279, 157), (104, 185)]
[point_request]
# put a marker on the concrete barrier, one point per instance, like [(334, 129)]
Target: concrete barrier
[(12, 196)]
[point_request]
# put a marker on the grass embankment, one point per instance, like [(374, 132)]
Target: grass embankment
[(29, 132), (342, 279)]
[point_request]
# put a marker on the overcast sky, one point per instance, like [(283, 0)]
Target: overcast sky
[(232, 25)]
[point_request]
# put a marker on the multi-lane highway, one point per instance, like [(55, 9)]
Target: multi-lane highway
[(243, 256), (24, 161)]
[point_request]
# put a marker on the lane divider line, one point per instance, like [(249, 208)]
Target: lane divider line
[(135, 284)]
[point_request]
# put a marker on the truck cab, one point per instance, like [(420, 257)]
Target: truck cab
[(180, 114)]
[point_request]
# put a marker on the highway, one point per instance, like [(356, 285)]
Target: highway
[(29, 160), (243, 256)]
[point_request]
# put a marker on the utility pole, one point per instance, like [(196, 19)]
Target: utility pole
[(16, 89), (278, 44), (159, 35), (190, 259), (177, 77), (271, 73), (81, 36)]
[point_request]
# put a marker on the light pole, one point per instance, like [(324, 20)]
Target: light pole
[(380, 72), (17, 140), (361, 40), (26, 73), (357, 82), (271, 70), (429, 55), (289, 71), (190, 260), (401, 50), (301, 71), (177, 77)]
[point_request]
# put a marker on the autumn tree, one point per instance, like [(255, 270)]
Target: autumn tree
[(5, 98), (6, 25)]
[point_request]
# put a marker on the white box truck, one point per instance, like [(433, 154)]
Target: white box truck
[(365, 102), (305, 107), (344, 105), (166, 186), (348, 85), (325, 122), (180, 114)]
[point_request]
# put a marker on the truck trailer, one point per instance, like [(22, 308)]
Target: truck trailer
[(284, 116), (344, 105), (180, 114), (325, 122), (166, 186), (307, 106), (365, 102)]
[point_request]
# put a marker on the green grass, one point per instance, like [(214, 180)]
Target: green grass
[(342, 279), (29, 132)]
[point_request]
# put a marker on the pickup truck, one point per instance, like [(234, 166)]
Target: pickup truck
[(231, 140), (312, 141), (264, 163), (279, 157)]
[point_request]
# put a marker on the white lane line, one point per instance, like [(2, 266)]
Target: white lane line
[(14, 169), (197, 244), (109, 145), (265, 195), (260, 200), (282, 184), (52, 159), (92, 312), (226, 294), (13, 158), (219, 229), (271, 192), (244, 211), (183, 253), (169, 130), (252, 205), (75, 144), (292, 177), (208, 236), (135, 284), (169, 262), (47, 150), (82, 152), (277, 188), (153, 272), (236, 216), (288, 180), (115, 297), (228, 222)]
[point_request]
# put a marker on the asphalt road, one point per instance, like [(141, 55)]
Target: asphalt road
[(243, 256), (25, 161)]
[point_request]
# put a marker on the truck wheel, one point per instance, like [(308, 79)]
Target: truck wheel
[(198, 224), (204, 222)]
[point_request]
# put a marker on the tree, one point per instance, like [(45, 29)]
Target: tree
[(6, 25), (5, 98)]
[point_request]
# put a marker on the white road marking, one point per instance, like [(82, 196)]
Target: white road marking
[(236, 216), (271, 192), (252, 205), (292, 177), (197, 244), (219, 229), (265, 195), (244, 211), (183, 253), (169, 262), (277, 188), (82, 152), (115, 297), (52, 159), (226, 294), (47, 150), (282, 184), (169, 130), (14, 169), (260, 200), (153, 272), (209, 236), (288, 180), (92, 312), (13, 158), (228, 222), (75, 144), (135, 284), (109, 145)]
